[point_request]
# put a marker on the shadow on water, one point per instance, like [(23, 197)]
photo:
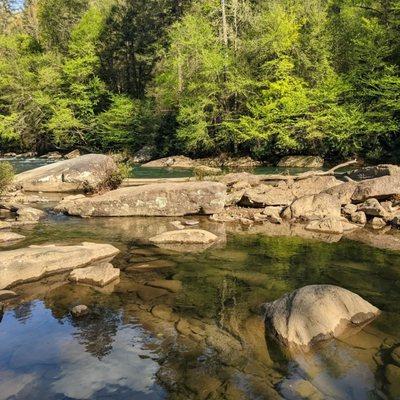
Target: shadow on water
[(202, 336)]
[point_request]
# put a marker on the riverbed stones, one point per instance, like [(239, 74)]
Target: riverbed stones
[(344, 192), (373, 208), (375, 171), (72, 154), (379, 188), (34, 262), (96, 275), (315, 313), (316, 206), (5, 225), (378, 223), (85, 173), (10, 237), (164, 199), (392, 375), (187, 236), (173, 286), (301, 162)]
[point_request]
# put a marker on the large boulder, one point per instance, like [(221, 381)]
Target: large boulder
[(316, 313), (172, 162), (263, 196), (301, 162), (380, 188), (85, 173), (375, 171), (34, 262), (10, 237), (316, 206), (163, 199), (144, 155)]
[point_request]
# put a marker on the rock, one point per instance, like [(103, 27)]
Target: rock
[(359, 217), (73, 154), (392, 375), (5, 225), (8, 237), (190, 222), (302, 389), (7, 295), (202, 384), (148, 293), (88, 172), (164, 312), (164, 199), (53, 155), (301, 162), (316, 206), (177, 225), (349, 209), (344, 192), (395, 354), (378, 223), (316, 313), (202, 170), (234, 197), (313, 185), (262, 197), (80, 311), (373, 208), (380, 188), (234, 178), (173, 286), (34, 262), (189, 236), (97, 275), (171, 162), (29, 214), (144, 155), (326, 225), (375, 171)]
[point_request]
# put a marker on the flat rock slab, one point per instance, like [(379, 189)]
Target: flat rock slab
[(6, 237), (380, 188), (34, 262), (316, 313), (97, 275), (164, 199), (189, 236), (82, 173), (173, 286)]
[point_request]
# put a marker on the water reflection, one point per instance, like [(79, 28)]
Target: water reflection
[(206, 340)]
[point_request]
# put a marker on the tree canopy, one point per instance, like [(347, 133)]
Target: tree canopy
[(202, 76)]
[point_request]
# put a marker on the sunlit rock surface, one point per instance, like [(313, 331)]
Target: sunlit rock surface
[(34, 262)]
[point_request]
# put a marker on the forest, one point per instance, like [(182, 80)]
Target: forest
[(202, 77)]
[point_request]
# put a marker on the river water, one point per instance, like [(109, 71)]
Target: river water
[(205, 338)]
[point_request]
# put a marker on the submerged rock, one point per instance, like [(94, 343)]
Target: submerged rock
[(30, 215), (80, 311), (316, 313), (34, 262), (97, 275), (88, 172), (7, 294), (164, 199), (301, 162), (326, 225)]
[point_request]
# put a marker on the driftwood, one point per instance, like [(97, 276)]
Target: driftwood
[(305, 175)]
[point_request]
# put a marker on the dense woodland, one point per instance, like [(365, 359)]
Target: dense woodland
[(202, 77)]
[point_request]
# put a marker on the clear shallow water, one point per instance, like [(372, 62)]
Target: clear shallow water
[(214, 344)]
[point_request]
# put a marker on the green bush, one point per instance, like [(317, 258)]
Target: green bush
[(6, 175)]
